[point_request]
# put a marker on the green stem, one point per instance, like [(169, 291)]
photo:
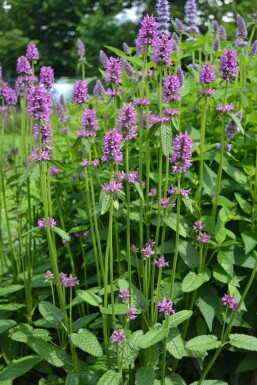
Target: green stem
[(202, 141), (128, 224), (174, 266)]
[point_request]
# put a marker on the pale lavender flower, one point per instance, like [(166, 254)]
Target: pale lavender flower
[(47, 77), (113, 71), (152, 192), (103, 58), (185, 192), (80, 92), (32, 52), (42, 134), (180, 75), (164, 202), (112, 150), (99, 90), (182, 153), (127, 122), (49, 275), (231, 128), (54, 171), (142, 102), (42, 222), (241, 27), (133, 248), (86, 162), (9, 96), (209, 92), (203, 237), (179, 26), (1, 73), (215, 26), (113, 93), (81, 50), (174, 46), (39, 103), (131, 314), (230, 301), (172, 190), (147, 250), (113, 187), (117, 337), (254, 48), (228, 147), (163, 50), (228, 65), (175, 37), (222, 33), (89, 124), (125, 47), (207, 74), (160, 262), (147, 33), (191, 17), (68, 281), (23, 66), (23, 82), (171, 88), (124, 294), (127, 67), (171, 112), (163, 16), (166, 306), (61, 113), (133, 176), (198, 225), (225, 109)]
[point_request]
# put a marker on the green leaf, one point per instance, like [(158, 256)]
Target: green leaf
[(11, 306), (189, 254), (185, 87), (177, 318), (203, 343), (153, 336), (226, 261), (166, 139), (83, 321), (119, 308), (53, 354), (62, 233), (192, 281), (131, 349), (110, 378), (87, 342), (235, 173), (50, 312), (243, 203), (90, 297), (175, 379), (139, 190), (248, 363), (6, 324), (250, 241), (175, 344), (31, 168), (208, 303), (10, 289), (172, 223), (209, 180), (243, 341), (107, 198), (210, 382), (72, 378), (145, 376), (19, 367)]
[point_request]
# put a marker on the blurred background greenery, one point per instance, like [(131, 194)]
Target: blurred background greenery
[(55, 25)]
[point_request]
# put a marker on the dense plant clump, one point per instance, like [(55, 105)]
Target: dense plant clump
[(128, 214)]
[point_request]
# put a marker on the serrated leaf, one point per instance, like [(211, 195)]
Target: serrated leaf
[(90, 297), (175, 344), (153, 336), (131, 349), (192, 281), (172, 223), (208, 303), (10, 289), (28, 172), (19, 367), (189, 254), (177, 318), (118, 308), (72, 378), (87, 341), (166, 139), (62, 233), (106, 203), (176, 379), (145, 376), (203, 343), (139, 190), (53, 354), (11, 306), (110, 378), (6, 324), (50, 312), (210, 382), (250, 241), (243, 341)]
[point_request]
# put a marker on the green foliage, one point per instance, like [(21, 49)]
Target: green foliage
[(19, 367), (145, 376), (110, 378), (87, 342)]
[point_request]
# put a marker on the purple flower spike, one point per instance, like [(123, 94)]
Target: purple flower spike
[(203, 237), (39, 103), (89, 124), (171, 88), (180, 75), (47, 77), (127, 67), (112, 150), (241, 27), (182, 153), (198, 225), (163, 16), (113, 187), (113, 71), (117, 337), (230, 301), (23, 66), (228, 65), (179, 26), (1, 73), (99, 90), (124, 295), (160, 262), (215, 26), (222, 33), (127, 122), (166, 306), (191, 17), (103, 58), (207, 74), (216, 46), (254, 48), (163, 50), (32, 52), (81, 50), (125, 47), (147, 33), (80, 92), (148, 249)]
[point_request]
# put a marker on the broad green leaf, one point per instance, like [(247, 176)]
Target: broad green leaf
[(153, 336), (10, 289), (175, 344), (243, 203), (166, 139), (208, 303), (210, 382), (72, 378), (189, 254), (83, 321), (145, 376), (192, 281), (131, 349), (119, 308), (243, 341), (226, 261), (225, 202), (171, 222), (175, 379), (250, 241), (177, 318), (11, 306), (19, 367), (110, 378), (6, 324), (235, 173), (31, 168), (107, 198), (87, 342), (209, 180), (139, 190), (50, 312), (90, 297), (53, 354), (62, 233), (203, 343)]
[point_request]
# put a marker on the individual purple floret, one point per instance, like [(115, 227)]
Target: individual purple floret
[(80, 92), (230, 301), (241, 27), (68, 281), (81, 50), (113, 71), (148, 249), (225, 109), (215, 26), (42, 222), (228, 65), (160, 262), (166, 306), (216, 45), (9, 96), (127, 122), (113, 187), (222, 33), (207, 74), (124, 294), (254, 48), (99, 90), (163, 16), (203, 237), (198, 225), (89, 124), (131, 314), (117, 337), (182, 153), (47, 77), (207, 93), (112, 150), (103, 58), (125, 47), (127, 67), (142, 102), (23, 66), (32, 52), (179, 26), (113, 93), (163, 50), (54, 171), (231, 128), (49, 275), (171, 88), (191, 17), (132, 177), (39, 103), (147, 33)]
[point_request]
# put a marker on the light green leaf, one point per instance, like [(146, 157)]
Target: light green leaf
[(62, 233), (107, 198), (166, 139), (11, 306), (175, 344), (50, 312), (131, 349), (185, 87), (189, 254), (192, 281), (172, 223), (250, 241), (139, 190), (6, 324), (145, 376), (110, 378), (10, 289), (153, 336), (243, 341), (89, 297), (72, 378), (203, 343), (226, 260), (19, 367), (208, 303), (177, 318), (119, 308), (87, 342)]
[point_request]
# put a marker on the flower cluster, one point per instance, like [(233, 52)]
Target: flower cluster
[(81, 50), (42, 133), (23, 82), (142, 102), (124, 294), (89, 124), (163, 50), (148, 249), (191, 17), (54, 171), (39, 103), (80, 92), (207, 74), (32, 52), (228, 65), (47, 77), (225, 109), (171, 88), (182, 153), (23, 66), (112, 150), (113, 187), (241, 32), (42, 222), (160, 262), (117, 337), (86, 162), (127, 122), (147, 33), (99, 90), (166, 306), (230, 301), (163, 16), (113, 71), (9, 96), (68, 281)]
